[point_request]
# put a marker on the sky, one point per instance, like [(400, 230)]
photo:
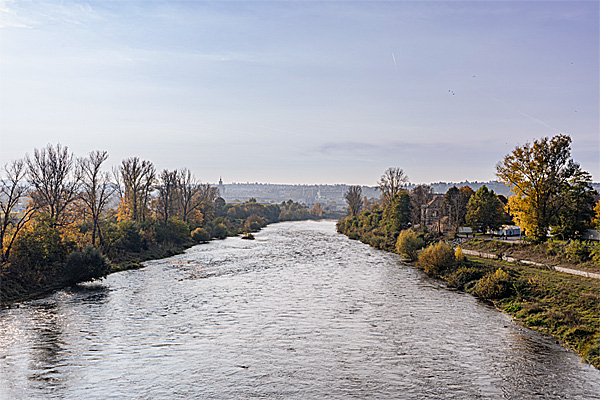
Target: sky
[(301, 91)]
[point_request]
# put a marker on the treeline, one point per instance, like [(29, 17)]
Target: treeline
[(552, 196), (64, 219)]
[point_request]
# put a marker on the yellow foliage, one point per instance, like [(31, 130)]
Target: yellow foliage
[(459, 255), (596, 220)]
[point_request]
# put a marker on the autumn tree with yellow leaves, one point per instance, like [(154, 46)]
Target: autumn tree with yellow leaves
[(540, 175)]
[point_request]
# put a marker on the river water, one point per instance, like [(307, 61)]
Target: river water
[(299, 313)]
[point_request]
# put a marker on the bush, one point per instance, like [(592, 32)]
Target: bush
[(553, 249), (254, 223), (220, 231), (459, 255), (200, 235), (577, 251), (436, 258), (493, 285), (595, 253), (85, 265), (178, 230), (128, 237), (462, 276), (408, 244)]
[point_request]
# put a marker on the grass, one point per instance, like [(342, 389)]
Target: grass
[(564, 306)]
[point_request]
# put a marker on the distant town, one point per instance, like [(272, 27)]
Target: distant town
[(331, 196)]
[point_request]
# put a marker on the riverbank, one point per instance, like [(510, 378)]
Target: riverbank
[(564, 306), (26, 288)]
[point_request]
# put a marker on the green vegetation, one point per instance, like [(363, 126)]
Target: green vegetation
[(78, 223), (551, 194), (550, 190), (409, 244)]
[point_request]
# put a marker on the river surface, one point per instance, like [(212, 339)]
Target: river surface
[(299, 313)]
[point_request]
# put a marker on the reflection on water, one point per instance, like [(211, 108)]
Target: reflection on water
[(300, 312)]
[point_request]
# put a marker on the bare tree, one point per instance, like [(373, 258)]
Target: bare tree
[(137, 177), (167, 194), (419, 196), (55, 177), (97, 189), (188, 190), (353, 197), (13, 189), (391, 182)]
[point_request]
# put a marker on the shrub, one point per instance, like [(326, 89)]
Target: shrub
[(200, 235), (220, 231), (85, 265), (254, 223), (552, 249), (408, 244), (595, 253), (436, 258), (179, 231), (462, 276), (577, 251), (493, 285), (128, 237), (459, 255)]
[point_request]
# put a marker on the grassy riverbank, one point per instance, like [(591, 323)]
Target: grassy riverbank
[(564, 306), (574, 255)]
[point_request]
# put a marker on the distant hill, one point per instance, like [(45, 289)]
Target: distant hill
[(332, 195)]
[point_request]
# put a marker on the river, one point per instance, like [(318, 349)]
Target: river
[(299, 313)]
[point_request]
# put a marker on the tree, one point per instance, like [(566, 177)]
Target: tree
[(577, 214), (455, 203), (167, 195), (317, 210), (97, 189), (193, 195), (137, 177), (55, 178), (397, 214), (391, 182), (13, 189), (353, 197), (538, 174), (419, 196), (484, 210)]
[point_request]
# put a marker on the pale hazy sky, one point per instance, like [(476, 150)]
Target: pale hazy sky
[(301, 91)]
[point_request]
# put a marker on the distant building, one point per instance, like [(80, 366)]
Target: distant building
[(221, 187), (508, 230), (432, 212)]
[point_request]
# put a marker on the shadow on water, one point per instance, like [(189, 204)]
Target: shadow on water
[(47, 348)]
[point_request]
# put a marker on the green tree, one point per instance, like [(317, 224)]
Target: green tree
[(577, 214), (397, 213), (484, 210), (538, 174), (455, 204)]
